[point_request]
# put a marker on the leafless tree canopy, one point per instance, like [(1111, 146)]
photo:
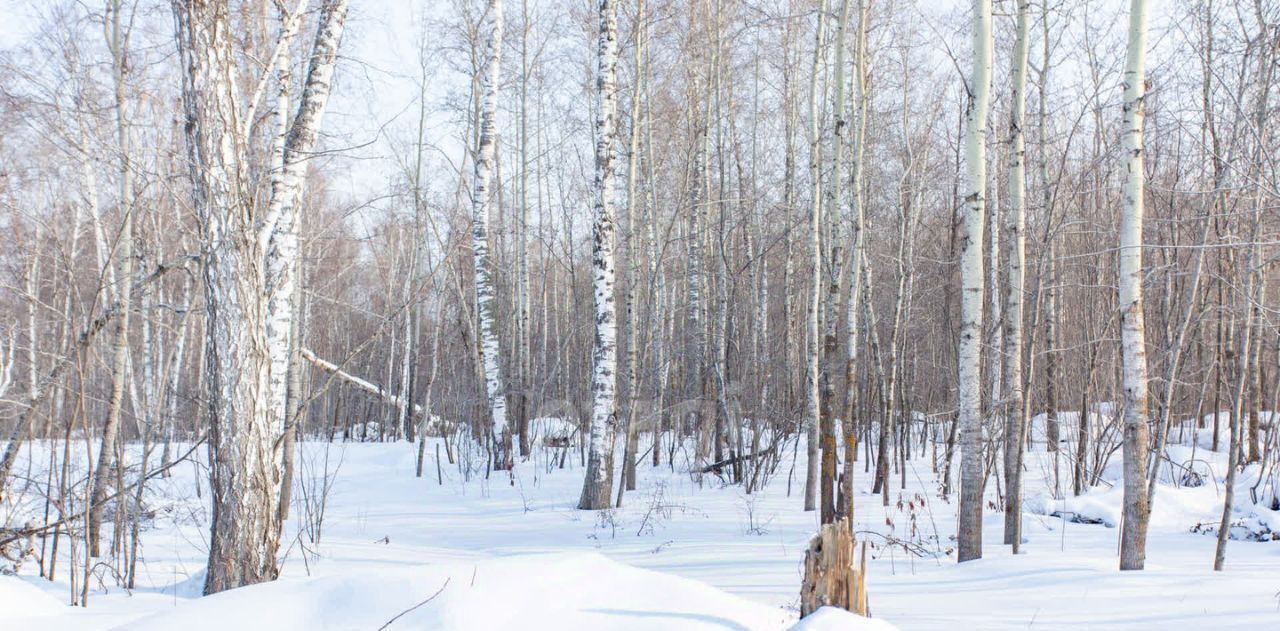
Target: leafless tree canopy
[(713, 232)]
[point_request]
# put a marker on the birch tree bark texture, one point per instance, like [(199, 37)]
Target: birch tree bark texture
[(835, 195), (972, 440), (1015, 426), (857, 237), (1133, 353), (248, 252), (633, 330), (597, 482), (116, 42), (812, 381), (486, 293)]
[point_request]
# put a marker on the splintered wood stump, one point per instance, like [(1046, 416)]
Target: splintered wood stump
[(830, 577)]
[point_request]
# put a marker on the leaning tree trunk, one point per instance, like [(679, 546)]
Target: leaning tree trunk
[(597, 482), (1237, 445), (1133, 353), (972, 476), (1253, 299)]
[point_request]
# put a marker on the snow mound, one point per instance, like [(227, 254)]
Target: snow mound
[(21, 601), (835, 619), (1188, 498), (562, 592)]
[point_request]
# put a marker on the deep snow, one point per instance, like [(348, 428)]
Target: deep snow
[(514, 553)]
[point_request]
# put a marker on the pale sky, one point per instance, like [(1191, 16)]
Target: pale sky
[(375, 105)]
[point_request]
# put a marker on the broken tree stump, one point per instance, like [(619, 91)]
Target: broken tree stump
[(830, 577)]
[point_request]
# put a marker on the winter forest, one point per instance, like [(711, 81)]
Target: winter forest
[(639, 314)]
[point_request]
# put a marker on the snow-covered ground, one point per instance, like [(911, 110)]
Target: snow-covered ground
[(514, 553)]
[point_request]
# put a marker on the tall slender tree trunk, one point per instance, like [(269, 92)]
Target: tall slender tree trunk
[(972, 438), (1049, 281), (855, 254), (829, 348), (1243, 353), (695, 346), (790, 362), (1133, 353), (596, 486), (117, 39), (486, 292), (1251, 302), (633, 263), (1014, 425), (814, 339), (523, 363), (1015, 225), (994, 314), (295, 402)]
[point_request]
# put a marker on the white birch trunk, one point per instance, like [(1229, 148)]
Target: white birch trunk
[(972, 439), (7, 349), (524, 251), (486, 294), (596, 485), (392, 400), (1014, 426), (812, 384), (994, 315), (855, 251), (835, 193), (1133, 353), (120, 346), (243, 469), (633, 263), (411, 285), (278, 233), (249, 266)]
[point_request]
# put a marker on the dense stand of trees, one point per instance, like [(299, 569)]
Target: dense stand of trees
[(718, 231)]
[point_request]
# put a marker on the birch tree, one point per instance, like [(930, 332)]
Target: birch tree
[(972, 440), (597, 483), (485, 291), (1133, 340), (117, 44), (634, 339), (834, 193), (813, 383), (249, 252), (1014, 425), (523, 364), (857, 239)]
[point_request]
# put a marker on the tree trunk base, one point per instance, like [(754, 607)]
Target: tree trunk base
[(830, 577)]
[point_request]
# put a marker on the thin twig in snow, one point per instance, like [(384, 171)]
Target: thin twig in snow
[(429, 599)]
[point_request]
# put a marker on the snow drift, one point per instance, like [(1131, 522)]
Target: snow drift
[(562, 591)]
